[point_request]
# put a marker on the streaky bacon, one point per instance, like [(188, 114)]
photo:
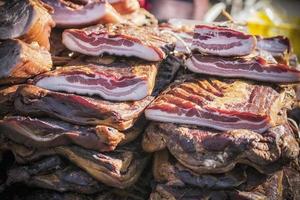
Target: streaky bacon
[(255, 68), (222, 41), (277, 46), (221, 104), (68, 14), (121, 80), (35, 101), (118, 39)]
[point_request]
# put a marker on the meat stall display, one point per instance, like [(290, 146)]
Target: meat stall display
[(100, 101)]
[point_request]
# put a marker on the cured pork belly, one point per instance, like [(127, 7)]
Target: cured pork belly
[(122, 80), (210, 151), (32, 100), (118, 39), (78, 13), (222, 41), (54, 174), (222, 104), (168, 171), (7, 99), (45, 133), (256, 68), (277, 46), (125, 6), (27, 20), (20, 61), (120, 168)]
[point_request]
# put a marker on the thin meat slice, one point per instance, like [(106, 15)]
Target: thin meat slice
[(255, 68), (71, 14), (20, 61), (120, 168), (118, 39), (222, 41), (209, 151), (121, 80), (27, 20), (222, 104), (125, 6), (32, 100), (46, 133)]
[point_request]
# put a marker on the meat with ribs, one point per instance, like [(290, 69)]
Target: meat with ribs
[(55, 174), (256, 68), (222, 104), (119, 39), (27, 20), (81, 13), (46, 132), (120, 168), (209, 151), (20, 61), (125, 6), (222, 41), (117, 80), (33, 100)]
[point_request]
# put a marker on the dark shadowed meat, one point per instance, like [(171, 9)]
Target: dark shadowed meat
[(167, 170), (256, 68), (52, 173), (27, 20), (7, 99), (119, 39), (125, 6), (120, 168), (45, 133), (20, 61), (74, 13), (221, 104), (209, 151), (32, 100), (122, 80), (222, 41)]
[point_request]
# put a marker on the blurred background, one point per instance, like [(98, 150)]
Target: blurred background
[(262, 17)]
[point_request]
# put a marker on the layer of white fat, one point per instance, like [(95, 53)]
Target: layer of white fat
[(161, 116), (80, 16), (244, 49), (133, 92), (137, 50)]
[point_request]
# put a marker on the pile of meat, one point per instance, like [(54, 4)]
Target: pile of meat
[(91, 89), (221, 130)]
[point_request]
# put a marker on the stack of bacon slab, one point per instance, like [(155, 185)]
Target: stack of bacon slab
[(221, 131), (74, 126)]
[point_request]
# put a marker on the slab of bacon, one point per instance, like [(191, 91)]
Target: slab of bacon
[(125, 6), (256, 68), (47, 132), (32, 100), (119, 39), (121, 80), (221, 104), (27, 20), (20, 61), (222, 41), (80, 13), (120, 168), (277, 46), (205, 150)]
